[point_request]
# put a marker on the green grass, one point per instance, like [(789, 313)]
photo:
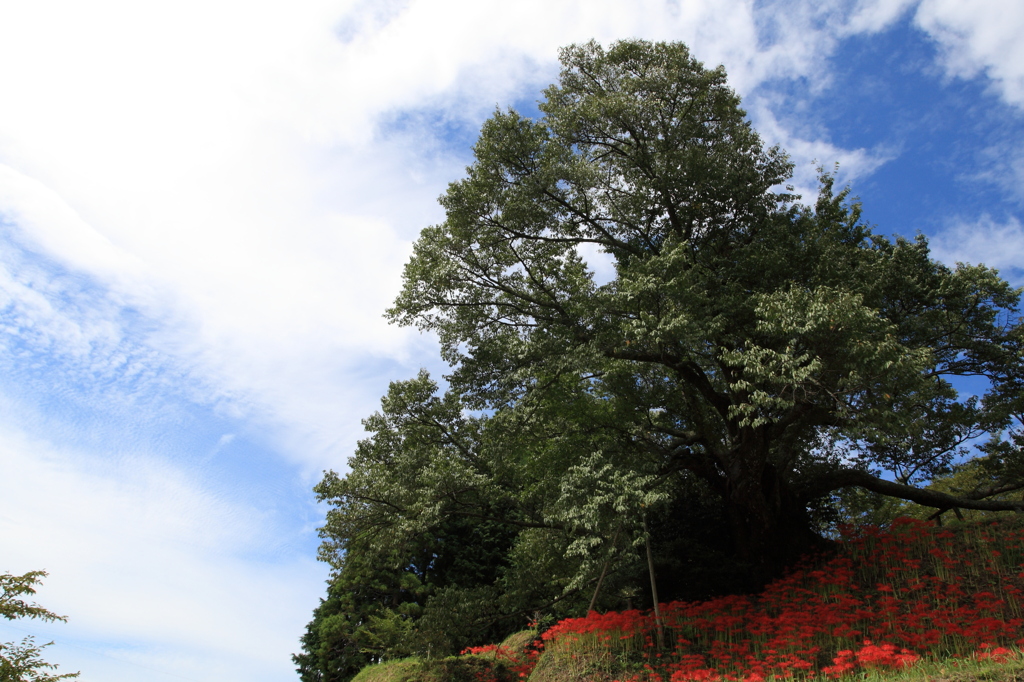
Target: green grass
[(403, 670), (518, 641), (450, 669), (952, 670)]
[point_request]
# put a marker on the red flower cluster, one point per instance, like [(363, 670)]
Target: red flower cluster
[(891, 597), (521, 663), (997, 655), (870, 656)]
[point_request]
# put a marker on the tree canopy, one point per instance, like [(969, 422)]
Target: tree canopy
[(752, 360)]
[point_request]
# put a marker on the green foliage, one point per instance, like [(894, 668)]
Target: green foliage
[(13, 587), (409, 577), (365, 617), (23, 662)]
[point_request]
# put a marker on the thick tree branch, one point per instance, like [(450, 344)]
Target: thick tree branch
[(846, 478)]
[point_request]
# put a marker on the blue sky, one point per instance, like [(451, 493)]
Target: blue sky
[(205, 208)]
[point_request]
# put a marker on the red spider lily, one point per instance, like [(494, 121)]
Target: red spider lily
[(521, 663), (996, 655), (892, 596)]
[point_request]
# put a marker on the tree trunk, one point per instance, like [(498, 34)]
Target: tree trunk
[(771, 528), (654, 588)]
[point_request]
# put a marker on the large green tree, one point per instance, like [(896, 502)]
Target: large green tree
[(749, 365)]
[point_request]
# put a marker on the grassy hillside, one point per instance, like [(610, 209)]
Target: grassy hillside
[(914, 602)]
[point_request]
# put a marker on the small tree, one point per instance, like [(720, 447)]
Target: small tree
[(22, 662)]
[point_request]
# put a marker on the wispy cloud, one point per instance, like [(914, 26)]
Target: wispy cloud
[(979, 36), (999, 245), (143, 557), (871, 16), (808, 153)]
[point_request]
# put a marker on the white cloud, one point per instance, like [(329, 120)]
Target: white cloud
[(871, 16), (48, 223), (974, 36), (979, 36), (984, 241), (600, 262), (808, 153), (142, 558), (220, 166)]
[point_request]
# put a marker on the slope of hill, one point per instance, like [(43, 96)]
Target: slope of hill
[(910, 602)]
